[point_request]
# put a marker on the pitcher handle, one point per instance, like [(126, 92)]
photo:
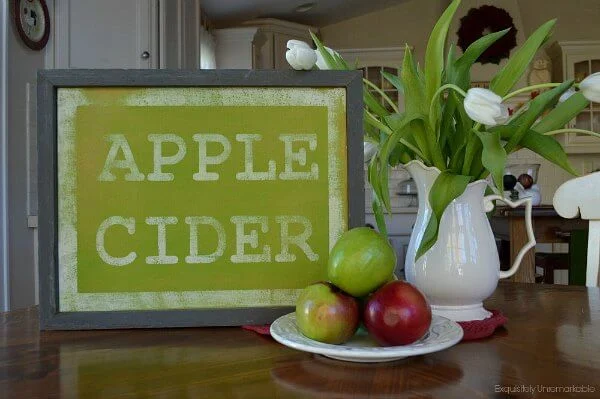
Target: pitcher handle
[(489, 205)]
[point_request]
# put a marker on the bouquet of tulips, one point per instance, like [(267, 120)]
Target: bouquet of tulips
[(465, 132)]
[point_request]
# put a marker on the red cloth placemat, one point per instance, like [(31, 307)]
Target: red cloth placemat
[(263, 330), (475, 329)]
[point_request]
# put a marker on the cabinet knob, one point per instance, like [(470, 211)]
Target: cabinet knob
[(145, 55)]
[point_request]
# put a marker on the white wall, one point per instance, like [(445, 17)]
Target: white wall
[(22, 66), (577, 19), (408, 23)]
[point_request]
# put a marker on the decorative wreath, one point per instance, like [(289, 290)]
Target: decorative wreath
[(482, 21)]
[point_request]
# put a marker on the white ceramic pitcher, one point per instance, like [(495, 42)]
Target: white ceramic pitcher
[(462, 268)]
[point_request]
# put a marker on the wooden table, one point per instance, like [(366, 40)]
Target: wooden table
[(552, 339), (509, 224)]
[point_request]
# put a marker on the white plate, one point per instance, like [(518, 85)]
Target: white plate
[(442, 334)]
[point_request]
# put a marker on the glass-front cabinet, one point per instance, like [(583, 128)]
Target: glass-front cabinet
[(577, 60), (374, 74)]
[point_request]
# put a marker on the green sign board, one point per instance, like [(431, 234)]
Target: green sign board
[(197, 197)]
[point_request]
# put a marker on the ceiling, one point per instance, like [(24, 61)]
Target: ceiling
[(224, 13)]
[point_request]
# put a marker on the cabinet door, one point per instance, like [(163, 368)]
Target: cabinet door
[(106, 34), (374, 74), (578, 68)]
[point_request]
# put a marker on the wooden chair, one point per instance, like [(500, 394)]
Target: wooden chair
[(549, 263), (581, 197)]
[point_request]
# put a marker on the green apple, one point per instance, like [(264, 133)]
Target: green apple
[(326, 314), (361, 261)]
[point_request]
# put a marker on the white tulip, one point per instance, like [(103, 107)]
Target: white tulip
[(300, 56), (298, 43), (321, 64), (590, 87), (566, 95), (369, 150), (485, 106)]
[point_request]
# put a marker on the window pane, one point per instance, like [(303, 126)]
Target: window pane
[(582, 69), (373, 75), (583, 121), (386, 85), (388, 106)]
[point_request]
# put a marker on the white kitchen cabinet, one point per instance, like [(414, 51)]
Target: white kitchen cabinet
[(258, 44), (373, 61), (137, 34), (577, 60), (90, 34)]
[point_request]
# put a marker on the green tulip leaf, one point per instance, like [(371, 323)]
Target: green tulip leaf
[(518, 62), (394, 81), (377, 193), (548, 148), (373, 104), (434, 53), (493, 156), (536, 106), (562, 114), (399, 123), (462, 69), (414, 96), (329, 59)]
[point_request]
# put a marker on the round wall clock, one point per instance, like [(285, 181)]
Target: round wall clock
[(483, 20), (33, 22)]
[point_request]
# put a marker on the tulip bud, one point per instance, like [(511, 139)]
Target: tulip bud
[(590, 87), (299, 55), (485, 106)]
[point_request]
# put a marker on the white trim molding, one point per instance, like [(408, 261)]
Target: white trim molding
[(377, 56), (4, 276)]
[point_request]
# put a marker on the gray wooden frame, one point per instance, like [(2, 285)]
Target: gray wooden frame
[(50, 80)]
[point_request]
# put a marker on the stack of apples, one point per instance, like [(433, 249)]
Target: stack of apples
[(361, 283)]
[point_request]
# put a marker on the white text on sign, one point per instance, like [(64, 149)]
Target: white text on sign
[(121, 156)]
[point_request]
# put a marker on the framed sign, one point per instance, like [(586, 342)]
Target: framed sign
[(191, 198)]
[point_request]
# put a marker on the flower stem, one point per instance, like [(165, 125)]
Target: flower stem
[(448, 86), (529, 89), (434, 100), (385, 96), (470, 151), (376, 123), (582, 131)]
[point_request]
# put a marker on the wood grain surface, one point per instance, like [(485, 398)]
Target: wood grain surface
[(550, 343)]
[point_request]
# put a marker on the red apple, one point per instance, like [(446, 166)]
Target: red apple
[(397, 314), (327, 314)]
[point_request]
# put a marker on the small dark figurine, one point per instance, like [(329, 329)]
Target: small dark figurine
[(526, 181), (509, 182)]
